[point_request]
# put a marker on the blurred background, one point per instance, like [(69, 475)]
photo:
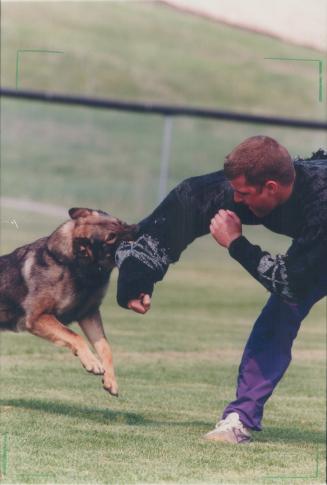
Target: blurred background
[(177, 365), (154, 52)]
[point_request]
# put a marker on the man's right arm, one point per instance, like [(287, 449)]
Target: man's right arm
[(180, 218)]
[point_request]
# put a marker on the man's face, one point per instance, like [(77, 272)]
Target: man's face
[(261, 200)]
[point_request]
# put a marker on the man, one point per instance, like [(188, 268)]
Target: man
[(260, 185)]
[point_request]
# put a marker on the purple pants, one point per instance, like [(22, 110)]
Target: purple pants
[(267, 354)]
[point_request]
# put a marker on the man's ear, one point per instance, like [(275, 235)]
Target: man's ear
[(60, 242), (272, 186)]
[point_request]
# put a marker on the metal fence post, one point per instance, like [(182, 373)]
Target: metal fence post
[(165, 157)]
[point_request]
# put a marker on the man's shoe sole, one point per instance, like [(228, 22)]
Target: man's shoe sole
[(233, 437)]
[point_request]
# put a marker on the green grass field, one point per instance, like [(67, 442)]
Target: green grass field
[(146, 51), (176, 369), (176, 366)]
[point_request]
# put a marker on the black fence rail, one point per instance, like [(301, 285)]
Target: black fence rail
[(167, 112), (160, 109)]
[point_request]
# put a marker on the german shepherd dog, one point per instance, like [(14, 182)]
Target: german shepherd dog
[(63, 278)]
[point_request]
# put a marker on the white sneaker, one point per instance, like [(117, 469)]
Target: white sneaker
[(230, 430)]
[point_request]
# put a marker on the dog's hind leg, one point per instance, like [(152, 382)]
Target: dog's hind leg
[(93, 329), (49, 328)]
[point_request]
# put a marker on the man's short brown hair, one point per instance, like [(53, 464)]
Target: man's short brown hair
[(260, 158)]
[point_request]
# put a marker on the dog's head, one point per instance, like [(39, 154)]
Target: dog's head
[(89, 238)]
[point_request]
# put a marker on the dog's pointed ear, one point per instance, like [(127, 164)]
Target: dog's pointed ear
[(60, 242), (76, 212)]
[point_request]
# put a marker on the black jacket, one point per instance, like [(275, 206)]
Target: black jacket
[(186, 212)]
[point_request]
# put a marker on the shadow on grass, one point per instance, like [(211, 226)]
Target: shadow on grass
[(302, 435), (104, 416), (108, 416)]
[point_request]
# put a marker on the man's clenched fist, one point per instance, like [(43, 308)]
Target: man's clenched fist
[(140, 304), (225, 227)]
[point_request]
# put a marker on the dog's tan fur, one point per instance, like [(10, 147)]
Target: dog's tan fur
[(63, 278)]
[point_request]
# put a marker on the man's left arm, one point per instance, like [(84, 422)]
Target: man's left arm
[(289, 276)]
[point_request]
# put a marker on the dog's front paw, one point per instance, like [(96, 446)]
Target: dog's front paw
[(90, 362), (110, 384)]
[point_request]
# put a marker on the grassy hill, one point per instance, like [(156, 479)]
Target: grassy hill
[(146, 51), (134, 50), (142, 51)]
